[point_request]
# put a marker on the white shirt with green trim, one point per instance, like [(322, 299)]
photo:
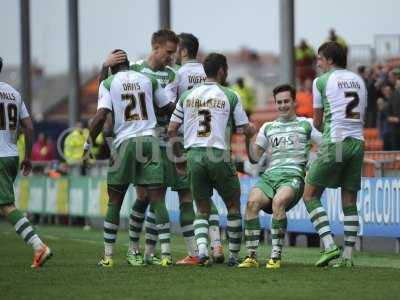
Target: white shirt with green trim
[(343, 97), (187, 76), (12, 110), (131, 97), (208, 113)]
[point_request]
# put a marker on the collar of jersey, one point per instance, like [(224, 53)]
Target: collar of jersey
[(280, 119)]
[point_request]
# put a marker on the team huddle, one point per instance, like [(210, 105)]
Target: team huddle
[(172, 119)]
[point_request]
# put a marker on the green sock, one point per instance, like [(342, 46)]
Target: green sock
[(201, 234), (252, 235), (136, 220), (186, 221), (320, 221), (163, 227), (351, 227), (213, 230), (234, 230), (278, 230), (151, 234), (24, 229), (111, 223)]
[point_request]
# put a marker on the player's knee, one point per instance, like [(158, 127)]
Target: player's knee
[(5, 210), (253, 205), (279, 207)]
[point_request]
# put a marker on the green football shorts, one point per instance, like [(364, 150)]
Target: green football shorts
[(136, 161), (338, 165), (8, 172), (270, 183), (207, 170), (171, 177)]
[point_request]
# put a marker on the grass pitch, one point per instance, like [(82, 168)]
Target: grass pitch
[(72, 273)]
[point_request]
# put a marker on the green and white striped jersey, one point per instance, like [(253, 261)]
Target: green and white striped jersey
[(343, 97), (131, 97), (164, 77), (208, 113), (288, 144)]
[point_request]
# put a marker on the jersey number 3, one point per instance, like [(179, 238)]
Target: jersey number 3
[(354, 101), (205, 123), (11, 111), (129, 115)]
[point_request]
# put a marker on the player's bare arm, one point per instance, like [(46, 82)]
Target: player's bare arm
[(27, 127), (98, 123), (318, 118)]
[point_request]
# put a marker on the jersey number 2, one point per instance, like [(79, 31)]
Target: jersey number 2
[(12, 116), (129, 115), (355, 100)]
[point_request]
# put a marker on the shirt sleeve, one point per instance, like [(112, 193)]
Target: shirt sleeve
[(239, 115), (317, 103), (24, 112), (160, 96), (104, 98), (177, 115), (261, 139)]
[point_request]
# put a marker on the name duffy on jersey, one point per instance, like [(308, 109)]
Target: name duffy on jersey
[(196, 79)]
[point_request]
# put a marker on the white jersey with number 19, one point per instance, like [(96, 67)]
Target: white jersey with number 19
[(12, 109), (131, 96), (343, 97)]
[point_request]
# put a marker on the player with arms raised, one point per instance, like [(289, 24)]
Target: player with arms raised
[(339, 106)]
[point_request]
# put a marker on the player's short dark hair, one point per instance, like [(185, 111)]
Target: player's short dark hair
[(120, 66), (1, 64), (162, 36), (335, 52), (213, 62), (189, 42), (285, 88)]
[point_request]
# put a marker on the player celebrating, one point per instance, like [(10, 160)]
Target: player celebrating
[(339, 105), (287, 139), (208, 113), (130, 95), (164, 44), (13, 113), (189, 74)]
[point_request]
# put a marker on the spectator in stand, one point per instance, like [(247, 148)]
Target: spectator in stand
[(305, 62), (371, 115), (394, 117), (304, 100), (246, 95), (73, 144), (382, 123), (43, 149), (386, 90), (333, 37)]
